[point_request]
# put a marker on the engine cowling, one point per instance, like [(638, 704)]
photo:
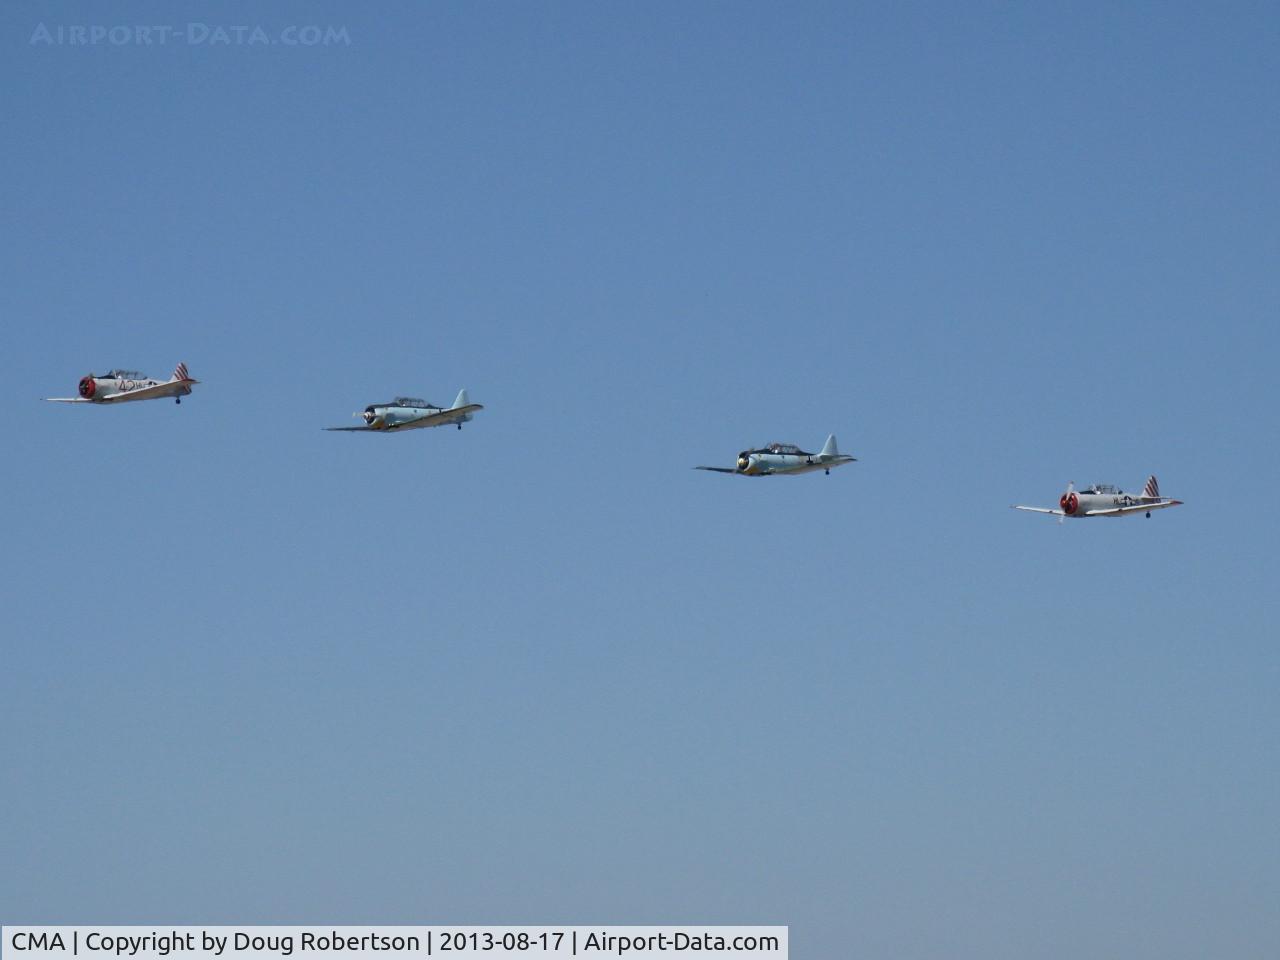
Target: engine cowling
[(1070, 503), (88, 387)]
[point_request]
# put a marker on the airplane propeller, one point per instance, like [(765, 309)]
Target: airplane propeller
[(1069, 502)]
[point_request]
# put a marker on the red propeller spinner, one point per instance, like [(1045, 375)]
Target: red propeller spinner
[(88, 387), (1069, 503)]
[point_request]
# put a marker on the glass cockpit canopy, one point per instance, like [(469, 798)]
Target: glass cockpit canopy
[(411, 402), (119, 374), (780, 448), (1101, 488)]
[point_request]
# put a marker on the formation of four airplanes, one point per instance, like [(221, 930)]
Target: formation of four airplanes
[(407, 413)]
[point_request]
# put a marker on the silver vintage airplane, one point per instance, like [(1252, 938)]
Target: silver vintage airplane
[(785, 458), (1104, 500), (121, 386), (407, 413)]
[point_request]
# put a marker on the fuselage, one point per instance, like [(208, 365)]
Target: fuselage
[(1101, 499), (782, 458), (121, 387), (406, 416)]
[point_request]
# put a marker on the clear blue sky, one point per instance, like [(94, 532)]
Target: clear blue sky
[(542, 671)]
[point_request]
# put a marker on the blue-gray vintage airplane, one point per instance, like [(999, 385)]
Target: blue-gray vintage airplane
[(785, 458), (120, 386), (408, 413), (1105, 500)]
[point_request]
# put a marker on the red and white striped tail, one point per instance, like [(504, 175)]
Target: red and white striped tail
[(180, 373), (1152, 489)]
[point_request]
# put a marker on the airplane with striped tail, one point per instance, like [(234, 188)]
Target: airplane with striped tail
[(122, 386), (1105, 500)]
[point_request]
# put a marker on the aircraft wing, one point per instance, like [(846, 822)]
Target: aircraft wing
[(1134, 508), (717, 469), (148, 393), (1056, 513), (356, 429), (66, 400)]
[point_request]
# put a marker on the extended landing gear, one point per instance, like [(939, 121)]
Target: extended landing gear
[(827, 472), (1148, 514), (177, 399), (459, 426)]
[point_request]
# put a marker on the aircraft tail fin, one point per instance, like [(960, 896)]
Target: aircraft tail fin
[(1152, 489), (180, 372), (462, 400), (829, 448)]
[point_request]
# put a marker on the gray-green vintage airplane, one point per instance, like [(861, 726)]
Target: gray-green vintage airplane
[(408, 413), (785, 458)]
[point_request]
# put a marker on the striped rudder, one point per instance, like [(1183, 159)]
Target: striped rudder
[(180, 372), (1152, 489)]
